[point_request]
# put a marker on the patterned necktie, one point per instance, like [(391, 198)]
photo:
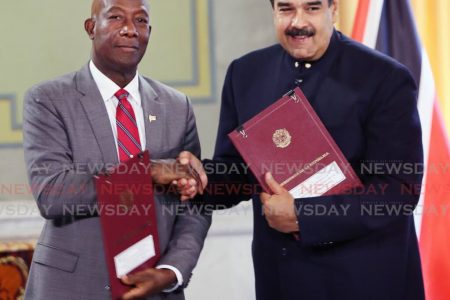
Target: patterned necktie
[(127, 130)]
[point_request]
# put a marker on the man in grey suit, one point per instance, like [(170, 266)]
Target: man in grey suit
[(70, 126)]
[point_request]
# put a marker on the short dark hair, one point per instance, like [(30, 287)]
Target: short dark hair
[(329, 2)]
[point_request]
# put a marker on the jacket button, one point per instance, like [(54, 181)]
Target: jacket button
[(284, 251)]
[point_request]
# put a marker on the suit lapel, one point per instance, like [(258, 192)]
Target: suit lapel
[(154, 116), (95, 110), (154, 130)]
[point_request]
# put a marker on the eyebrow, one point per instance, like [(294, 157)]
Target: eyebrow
[(283, 4), (314, 3), (311, 3)]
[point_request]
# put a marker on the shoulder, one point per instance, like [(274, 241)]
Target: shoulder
[(49, 93), (256, 63), (61, 85), (165, 93), (364, 59), (163, 89), (261, 54), (372, 74), (259, 57)]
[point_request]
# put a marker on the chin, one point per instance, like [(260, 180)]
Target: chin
[(127, 63), (303, 54), (300, 56)]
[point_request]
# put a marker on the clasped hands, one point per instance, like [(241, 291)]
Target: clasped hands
[(278, 207), (186, 173)]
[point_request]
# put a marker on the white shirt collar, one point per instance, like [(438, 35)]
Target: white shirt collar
[(108, 88)]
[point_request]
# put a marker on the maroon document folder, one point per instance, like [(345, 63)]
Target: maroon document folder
[(289, 140), (128, 218)]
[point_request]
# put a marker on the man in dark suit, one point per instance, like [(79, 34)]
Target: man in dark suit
[(367, 101), (78, 121)]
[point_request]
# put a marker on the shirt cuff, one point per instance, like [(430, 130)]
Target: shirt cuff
[(177, 274)]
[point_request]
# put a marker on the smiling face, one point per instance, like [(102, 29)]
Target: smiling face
[(119, 30), (304, 27)]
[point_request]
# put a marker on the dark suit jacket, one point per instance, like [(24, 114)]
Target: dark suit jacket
[(67, 133), (367, 101)]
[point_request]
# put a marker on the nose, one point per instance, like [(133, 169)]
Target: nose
[(298, 19), (129, 30)]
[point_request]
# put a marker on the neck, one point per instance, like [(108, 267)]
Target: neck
[(120, 77)]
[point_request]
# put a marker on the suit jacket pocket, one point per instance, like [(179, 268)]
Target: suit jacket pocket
[(56, 258)]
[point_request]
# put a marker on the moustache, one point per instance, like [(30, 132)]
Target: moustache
[(302, 32)]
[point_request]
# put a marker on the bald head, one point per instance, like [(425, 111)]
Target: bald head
[(98, 5)]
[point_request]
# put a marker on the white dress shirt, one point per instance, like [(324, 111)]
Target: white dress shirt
[(107, 89)]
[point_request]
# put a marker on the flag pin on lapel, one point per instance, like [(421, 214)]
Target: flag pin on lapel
[(151, 118)]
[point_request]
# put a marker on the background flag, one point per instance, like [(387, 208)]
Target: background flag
[(389, 27)]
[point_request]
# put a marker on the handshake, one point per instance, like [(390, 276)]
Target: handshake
[(185, 172)]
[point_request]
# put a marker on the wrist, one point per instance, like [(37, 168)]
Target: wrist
[(154, 171), (169, 279), (173, 283)]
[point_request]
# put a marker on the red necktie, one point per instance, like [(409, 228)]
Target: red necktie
[(127, 130)]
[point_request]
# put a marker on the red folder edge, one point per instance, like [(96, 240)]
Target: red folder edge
[(114, 226)]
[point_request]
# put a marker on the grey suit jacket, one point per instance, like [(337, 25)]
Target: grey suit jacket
[(66, 132)]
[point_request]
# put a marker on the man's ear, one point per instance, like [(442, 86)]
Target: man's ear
[(89, 26), (335, 4)]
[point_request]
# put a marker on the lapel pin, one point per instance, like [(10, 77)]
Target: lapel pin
[(151, 118)]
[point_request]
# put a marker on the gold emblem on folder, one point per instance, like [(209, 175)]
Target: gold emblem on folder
[(281, 138)]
